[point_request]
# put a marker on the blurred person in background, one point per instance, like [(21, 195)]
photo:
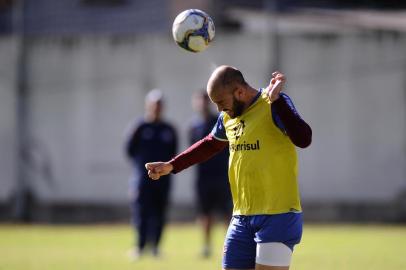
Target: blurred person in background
[(151, 138), (212, 187)]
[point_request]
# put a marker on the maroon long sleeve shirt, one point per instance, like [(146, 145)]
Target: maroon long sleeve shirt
[(295, 127)]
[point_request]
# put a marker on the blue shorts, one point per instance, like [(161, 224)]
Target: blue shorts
[(245, 232)]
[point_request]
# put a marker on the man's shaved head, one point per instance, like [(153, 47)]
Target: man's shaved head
[(224, 80), (230, 92)]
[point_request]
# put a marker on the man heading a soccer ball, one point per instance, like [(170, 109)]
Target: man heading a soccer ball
[(261, 129)]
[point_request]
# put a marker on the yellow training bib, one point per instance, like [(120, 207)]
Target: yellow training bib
[(263, 164)]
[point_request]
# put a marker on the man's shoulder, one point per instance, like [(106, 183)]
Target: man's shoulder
[(287, 98), (264, 96), (135, 125), (222, 117)]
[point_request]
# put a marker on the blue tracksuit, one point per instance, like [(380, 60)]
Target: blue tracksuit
[(150, 142)]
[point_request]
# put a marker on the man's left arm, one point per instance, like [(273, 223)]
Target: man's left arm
[(288, 119)]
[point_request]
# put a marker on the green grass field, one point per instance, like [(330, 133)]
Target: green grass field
[(106, 246)]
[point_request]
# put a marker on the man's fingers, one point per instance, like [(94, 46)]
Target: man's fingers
[(153, 176), (280, 77), (276, 76), (156, 167), (277, 83), (148, 166), (270, 86)]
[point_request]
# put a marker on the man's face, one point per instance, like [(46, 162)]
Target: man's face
[(229, 104), (154, 109)]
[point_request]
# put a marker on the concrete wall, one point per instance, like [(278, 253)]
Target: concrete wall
[(85, 91), (352, 89)]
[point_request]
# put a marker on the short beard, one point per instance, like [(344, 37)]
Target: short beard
[(238, 107)]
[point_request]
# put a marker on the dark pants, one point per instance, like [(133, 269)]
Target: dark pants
[(149, 214), (213, 195)]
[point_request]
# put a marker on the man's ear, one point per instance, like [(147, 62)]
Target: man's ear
[(239, 94)]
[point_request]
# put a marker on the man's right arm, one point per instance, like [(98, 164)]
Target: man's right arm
[(199, 152), (203, 149)]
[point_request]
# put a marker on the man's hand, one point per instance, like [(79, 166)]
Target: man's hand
[(158, 169), (276, 85)]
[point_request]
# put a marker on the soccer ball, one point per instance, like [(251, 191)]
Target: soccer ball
[(193, 30)]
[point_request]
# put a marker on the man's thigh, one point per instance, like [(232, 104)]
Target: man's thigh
[(273, 255), (239, 245), (261, 242)]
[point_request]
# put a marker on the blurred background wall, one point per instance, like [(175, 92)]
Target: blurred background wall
[(73, 76)]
